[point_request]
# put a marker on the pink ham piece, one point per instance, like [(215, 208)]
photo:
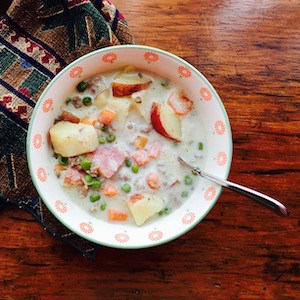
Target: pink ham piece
[(107, 160), (154, 150), (73, 177), (180, 104), (140, 157)]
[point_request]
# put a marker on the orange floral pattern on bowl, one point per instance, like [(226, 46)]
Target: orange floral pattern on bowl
[(76, 72), (122, 238), (151, 57), (210, 193), (188, 218), (37, 141), (61, 206), (220, 127), (109, 57), (86, 228), (47, 105), (205, 94), (221, 158), (184, 71), (42, 175), (155, 235)]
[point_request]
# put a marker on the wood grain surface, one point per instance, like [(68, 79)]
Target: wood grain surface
[(250, 52)]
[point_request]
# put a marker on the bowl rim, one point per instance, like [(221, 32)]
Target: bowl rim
[(73, 228)]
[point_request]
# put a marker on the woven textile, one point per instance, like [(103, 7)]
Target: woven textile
[(38, 38)]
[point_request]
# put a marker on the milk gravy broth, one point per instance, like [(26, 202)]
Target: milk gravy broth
[(116, 145)]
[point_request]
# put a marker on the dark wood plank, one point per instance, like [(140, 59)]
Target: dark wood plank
[(249, 50)]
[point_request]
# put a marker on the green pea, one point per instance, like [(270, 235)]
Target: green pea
[(126, 188), (188, 180), (96, 183), (200, 146), (87, 101), (184, 194), (134, 168), (128, 163), (164, 211), (104, 128), (94, 198), (101, 141), (63, 161), (110, 138), (103, 206), (81, 86), (68, 101), (86, 164), (88, 178)]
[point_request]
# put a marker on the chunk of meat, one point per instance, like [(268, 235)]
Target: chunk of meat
[(107, 160), (174, 183), (154, 150), (69, 117), (77, 102), (136, 197), (140, 157), (58, 168), (73, 177), (114, 215), (180, 104), (106, 116), (110, 190), (153, 181)]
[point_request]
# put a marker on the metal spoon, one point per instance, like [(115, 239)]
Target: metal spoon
[(271, 203)]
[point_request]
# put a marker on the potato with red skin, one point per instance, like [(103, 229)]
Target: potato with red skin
[(122, 90), (166, 122), (127, 83)]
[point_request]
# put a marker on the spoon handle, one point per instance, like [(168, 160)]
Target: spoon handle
[(261, 198)]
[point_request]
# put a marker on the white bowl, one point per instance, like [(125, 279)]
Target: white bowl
[(217, 160)]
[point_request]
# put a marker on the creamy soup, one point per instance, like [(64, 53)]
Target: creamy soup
[(116, 144)]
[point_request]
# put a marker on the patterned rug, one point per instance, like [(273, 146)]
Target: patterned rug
[(38, 38)]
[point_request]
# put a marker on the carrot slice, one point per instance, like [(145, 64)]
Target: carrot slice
[(140, 142), (87, 120), (114, 215), (110, 190), (106, 116), (153, 181)]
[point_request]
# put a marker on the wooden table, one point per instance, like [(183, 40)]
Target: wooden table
[(250, 52)]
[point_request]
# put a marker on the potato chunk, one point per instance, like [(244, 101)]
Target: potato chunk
[(102, 98), (145, 207), (126, 84), (142, 103), (121, 107), (70, 139)]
